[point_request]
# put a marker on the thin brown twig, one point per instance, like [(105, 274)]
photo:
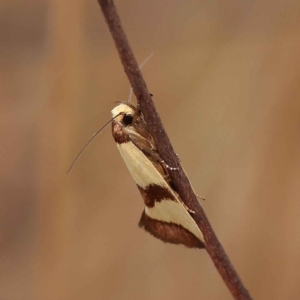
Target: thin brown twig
[(181, 182)]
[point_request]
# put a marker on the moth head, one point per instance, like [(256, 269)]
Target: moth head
[(124, 113)]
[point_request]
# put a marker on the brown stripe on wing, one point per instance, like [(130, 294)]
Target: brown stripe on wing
[(118, 133), (170, 232), (155, 193)]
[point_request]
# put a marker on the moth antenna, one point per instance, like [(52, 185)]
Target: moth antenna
[(145, 60), (140, 67), (93, 136), (130, 95)]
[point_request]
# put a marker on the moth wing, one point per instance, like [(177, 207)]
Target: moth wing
[(164, 216), (170, 232)]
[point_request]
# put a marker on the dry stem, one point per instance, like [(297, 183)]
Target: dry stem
[(181, 182)]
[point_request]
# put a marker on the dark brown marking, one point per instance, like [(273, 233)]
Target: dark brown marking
[(118, 133), (155, 193), (170, 232)]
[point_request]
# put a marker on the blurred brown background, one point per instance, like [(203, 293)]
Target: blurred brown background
[(226, 81)]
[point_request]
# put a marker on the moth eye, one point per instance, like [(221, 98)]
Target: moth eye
[(127, 119)]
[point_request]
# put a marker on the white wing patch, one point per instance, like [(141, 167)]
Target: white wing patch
[(174, 212), (140, 167)]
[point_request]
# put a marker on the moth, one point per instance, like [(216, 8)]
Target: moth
[(165, 216)]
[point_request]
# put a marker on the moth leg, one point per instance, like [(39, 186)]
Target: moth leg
[(148, 149), (186, 207), (145, 142), (169, 167), (155, 155), (178, 197), (199, 197)]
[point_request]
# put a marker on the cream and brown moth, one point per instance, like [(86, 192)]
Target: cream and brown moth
[(165, 215)]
